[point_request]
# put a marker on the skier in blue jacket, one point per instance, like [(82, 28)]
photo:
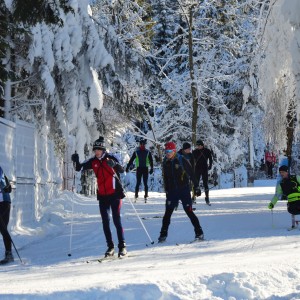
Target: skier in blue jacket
[(5, 203)]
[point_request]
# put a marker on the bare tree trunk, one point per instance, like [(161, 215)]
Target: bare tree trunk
[(290, 131), (192, 76)]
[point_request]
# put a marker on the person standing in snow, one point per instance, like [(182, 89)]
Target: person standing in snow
[(186, 152), (177, 172), (203, 163), (5, 203), (109, 193), (270, 160), (288, 188), (143, 160)]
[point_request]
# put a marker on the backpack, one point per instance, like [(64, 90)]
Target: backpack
[(7, 188)]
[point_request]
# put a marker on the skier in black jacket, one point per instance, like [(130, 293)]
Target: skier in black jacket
[(5, 204), (143, 160), (186, 152), (203, 163), (177, 172)]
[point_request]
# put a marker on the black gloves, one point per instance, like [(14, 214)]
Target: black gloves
[(75, 158), (151, 171), (111, 163), (209, 167), (197, 192)]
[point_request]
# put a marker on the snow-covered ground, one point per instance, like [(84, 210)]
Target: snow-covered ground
[(248, 253)]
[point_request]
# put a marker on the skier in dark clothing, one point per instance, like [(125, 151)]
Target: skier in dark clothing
[(186, 152), (177, 172), (288, 187), (203, 163), (143, 160), (110, 192), (5, 204)]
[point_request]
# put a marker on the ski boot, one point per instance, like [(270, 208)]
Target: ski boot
[(199, 237), (8, 258), (207, 201), (146, 197), (110, 251), (163, 236), (122, 252), (136, 196)]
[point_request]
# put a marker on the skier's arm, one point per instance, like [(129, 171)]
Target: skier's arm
[(131, 161), (114, 163), (189, 170), (276, 197), (80, 166), (150, 160), (209, 159)]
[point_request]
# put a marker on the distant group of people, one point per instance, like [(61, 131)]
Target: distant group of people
[(179, 170)]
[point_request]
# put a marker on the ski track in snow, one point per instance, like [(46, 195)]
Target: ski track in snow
[(244, 256)]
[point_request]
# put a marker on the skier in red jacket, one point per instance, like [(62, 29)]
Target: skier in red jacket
[(110, 191)]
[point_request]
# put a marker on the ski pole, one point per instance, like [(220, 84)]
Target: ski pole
[(272, 218), (152, 242), (72, 217)]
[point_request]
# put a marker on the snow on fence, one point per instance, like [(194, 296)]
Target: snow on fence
[(29, 161)]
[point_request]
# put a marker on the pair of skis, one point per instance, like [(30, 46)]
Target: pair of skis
[(107, 258), (145, 199)]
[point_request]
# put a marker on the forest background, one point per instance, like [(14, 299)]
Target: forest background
[(222, 71)]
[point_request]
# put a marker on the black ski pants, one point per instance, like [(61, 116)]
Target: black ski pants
[(141, 172), (172, 201), (202, 172), (115, 206), (4, 219)]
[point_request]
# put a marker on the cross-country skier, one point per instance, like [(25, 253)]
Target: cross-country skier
[(203, 163), (5, 203), (288, 188), (109, 193), (143, 160), (186, 152), (176, 174)]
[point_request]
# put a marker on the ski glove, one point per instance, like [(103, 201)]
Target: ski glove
[(197, 192), (271, 205), (75, 158), (111, 163), (151, 171), (209, 167)]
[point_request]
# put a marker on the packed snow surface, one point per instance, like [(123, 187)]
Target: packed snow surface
[(248, 253)]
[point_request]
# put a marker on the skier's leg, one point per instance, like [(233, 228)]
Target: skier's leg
[(188, 208), (138, 181), (171, 203), (145, 181), (116, 205), (104, 211), (205, 184), (4, 215)]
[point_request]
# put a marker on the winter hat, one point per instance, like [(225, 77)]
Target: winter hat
[(199, 143), (284, 168), (170, 146), (186, 146), (99, 144), (143, 142)]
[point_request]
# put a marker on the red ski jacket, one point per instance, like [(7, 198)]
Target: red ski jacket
[(108, 179)]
